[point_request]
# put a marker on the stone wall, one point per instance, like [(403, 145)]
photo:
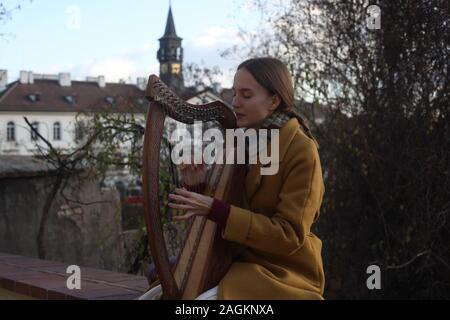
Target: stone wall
[(87, 232)]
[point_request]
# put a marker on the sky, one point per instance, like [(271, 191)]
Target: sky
[(117, 38)]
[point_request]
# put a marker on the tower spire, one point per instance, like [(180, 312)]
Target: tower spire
[(170, 26)]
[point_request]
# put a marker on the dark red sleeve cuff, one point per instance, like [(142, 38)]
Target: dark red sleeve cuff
[(198, 188), (219, 212)]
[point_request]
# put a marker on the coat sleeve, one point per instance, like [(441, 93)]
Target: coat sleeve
[(299, 203)]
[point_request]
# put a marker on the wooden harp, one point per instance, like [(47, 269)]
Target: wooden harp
[(205, 256)]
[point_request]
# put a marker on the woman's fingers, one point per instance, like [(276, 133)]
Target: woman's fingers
[(181, 206), (186, 197), (191, 167), (192, 174), (183, 202), (184, 217), (179, 198), (193, 203), (185, 193)]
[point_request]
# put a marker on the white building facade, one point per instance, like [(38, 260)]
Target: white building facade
[(16, 138), (54, 103)]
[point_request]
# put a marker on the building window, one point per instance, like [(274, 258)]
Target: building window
[(79, 131), (35, 126), (57, 131), (70, 99), (11, 131), (110, 99), (34, 97)]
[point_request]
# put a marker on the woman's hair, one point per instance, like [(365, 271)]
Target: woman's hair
[(274, 76)]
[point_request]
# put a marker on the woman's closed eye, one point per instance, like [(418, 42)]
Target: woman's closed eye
[(245, 96)]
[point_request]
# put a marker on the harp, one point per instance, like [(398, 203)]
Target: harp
[(205, 256)]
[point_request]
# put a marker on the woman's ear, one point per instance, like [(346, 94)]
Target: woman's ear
[(275, 102)]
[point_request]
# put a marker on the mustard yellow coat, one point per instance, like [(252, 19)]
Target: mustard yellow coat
[(282, 259)]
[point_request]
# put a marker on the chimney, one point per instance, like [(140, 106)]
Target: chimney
[(3, 79), (30, 77), (217, 87), (64, 80), (23, 77), (142, 83), (101, 81)]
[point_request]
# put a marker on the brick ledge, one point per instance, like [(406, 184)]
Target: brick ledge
[(46, 280)]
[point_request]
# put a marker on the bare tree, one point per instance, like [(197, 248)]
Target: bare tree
[(201, 76), (6, 12)]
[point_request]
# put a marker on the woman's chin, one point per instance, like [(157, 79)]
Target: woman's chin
[(241, 123)]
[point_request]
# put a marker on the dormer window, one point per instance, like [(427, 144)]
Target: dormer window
[(34, 97), (109, 99), (70, 99)]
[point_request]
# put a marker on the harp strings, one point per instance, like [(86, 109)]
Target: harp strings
[(194, 230)]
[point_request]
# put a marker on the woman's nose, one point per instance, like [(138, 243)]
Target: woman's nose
[(235, 102)]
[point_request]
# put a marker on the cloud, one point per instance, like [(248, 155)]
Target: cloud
[(207, 48), (216, 36), (114, 69), (144, 49), (226, 79), (127, 64)]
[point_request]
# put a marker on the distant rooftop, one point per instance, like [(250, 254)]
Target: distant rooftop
[(58, 93)]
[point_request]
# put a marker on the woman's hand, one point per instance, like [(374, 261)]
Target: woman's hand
[(194, 204), (192, 174)]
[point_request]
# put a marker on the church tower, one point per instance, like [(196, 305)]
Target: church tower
[(170, 56)]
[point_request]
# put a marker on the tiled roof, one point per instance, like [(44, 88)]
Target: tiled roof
[(49, 95)]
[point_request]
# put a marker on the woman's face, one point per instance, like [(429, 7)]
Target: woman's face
[(252, 103)]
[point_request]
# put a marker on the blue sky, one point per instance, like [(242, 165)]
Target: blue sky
[(116, 38)]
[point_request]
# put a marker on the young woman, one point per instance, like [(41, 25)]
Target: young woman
[(282, 259)]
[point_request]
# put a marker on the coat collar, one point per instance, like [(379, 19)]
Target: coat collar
[(286, 135)]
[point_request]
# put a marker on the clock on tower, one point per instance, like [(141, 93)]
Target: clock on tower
[(176, 68)]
